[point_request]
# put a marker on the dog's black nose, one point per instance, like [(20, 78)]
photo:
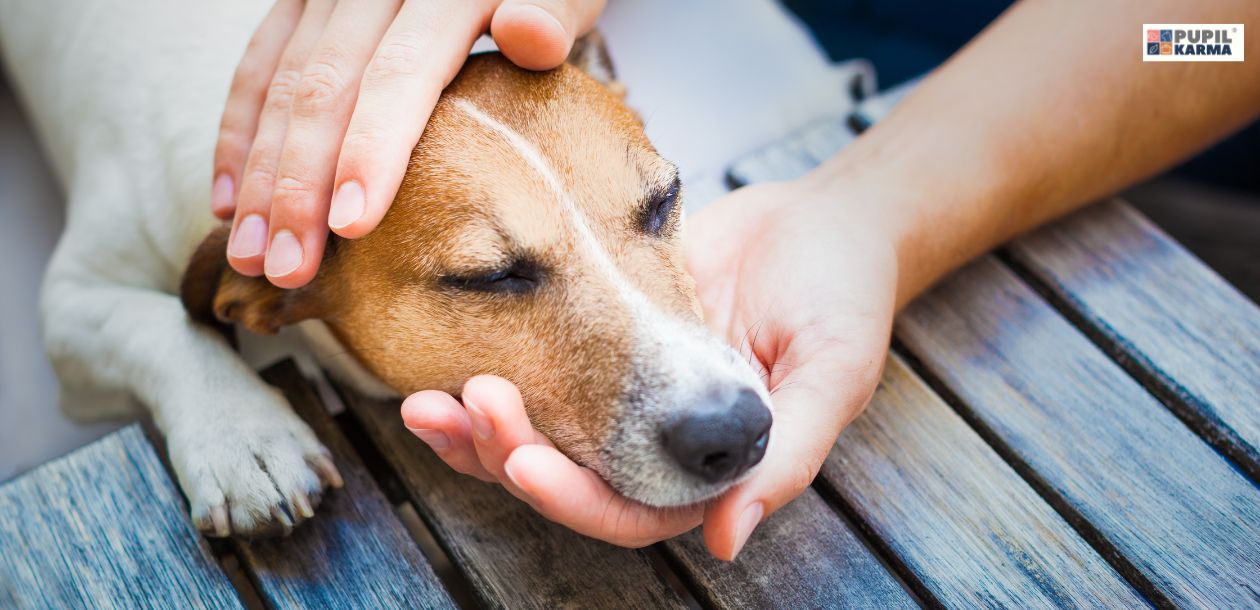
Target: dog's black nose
[(720, 440)]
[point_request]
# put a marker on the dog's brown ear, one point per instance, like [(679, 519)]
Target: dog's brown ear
[(590, 55), (214, 294)]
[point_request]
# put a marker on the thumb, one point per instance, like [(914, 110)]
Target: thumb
[(808, 416), (538, 34)]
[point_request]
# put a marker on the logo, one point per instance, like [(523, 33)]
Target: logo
[(1192, 42)]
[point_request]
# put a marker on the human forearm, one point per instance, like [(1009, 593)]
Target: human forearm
[(1049, 108)]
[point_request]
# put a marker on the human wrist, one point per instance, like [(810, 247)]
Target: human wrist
[(939, 199), (853, 191)]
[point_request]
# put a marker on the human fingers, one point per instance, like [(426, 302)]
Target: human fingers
[(245, 102), (248, 241), (322, 103), (538, 34), (579, 499), (499, 421), (420, 54), (441, 422)]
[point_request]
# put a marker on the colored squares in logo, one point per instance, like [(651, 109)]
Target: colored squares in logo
[(1152, 35), (1165, 35), (1152, 48), (1165, 48)]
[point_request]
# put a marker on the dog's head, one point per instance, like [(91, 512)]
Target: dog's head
[(536, 236)]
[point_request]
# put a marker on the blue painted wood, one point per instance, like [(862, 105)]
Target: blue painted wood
[(104, 527), (1178, 327), (803, 556), (511, 556), (1171, 513), (355, 553)]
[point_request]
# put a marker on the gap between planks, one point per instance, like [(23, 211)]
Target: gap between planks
[(914, 586), (1216, 434), (1081, 525), (227, 559)]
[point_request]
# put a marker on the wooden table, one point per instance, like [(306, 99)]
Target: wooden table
[(1071, 421)]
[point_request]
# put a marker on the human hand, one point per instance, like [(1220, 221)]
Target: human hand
[(329, 101), (490, 437), (802, 279), (806, 286)]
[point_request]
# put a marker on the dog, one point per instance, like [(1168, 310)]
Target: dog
[(536, 236)]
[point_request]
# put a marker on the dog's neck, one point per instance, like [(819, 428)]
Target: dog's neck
[(333, 357)]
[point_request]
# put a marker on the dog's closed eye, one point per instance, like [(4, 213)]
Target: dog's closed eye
[(657, 213), (520, 276)]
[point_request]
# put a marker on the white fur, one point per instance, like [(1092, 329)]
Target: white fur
[(130, 133), (684, 360)]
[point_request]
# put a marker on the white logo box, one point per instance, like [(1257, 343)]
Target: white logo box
[(1233, 32)]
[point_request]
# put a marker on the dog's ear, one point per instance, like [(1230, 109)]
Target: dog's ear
[(215, 294), (590, 55)]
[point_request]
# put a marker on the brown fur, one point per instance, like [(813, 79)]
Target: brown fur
[(467, 204)]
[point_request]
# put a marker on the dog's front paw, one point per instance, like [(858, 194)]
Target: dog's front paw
[(255, 474)]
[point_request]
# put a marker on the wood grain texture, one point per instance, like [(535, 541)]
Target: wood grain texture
[(969, 529), (104, 527), (354, 553), (1189, 336), (512, 557), (1177, 518), (803, 556)]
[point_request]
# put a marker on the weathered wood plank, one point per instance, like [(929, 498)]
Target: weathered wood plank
[(968, 528), (354, 553), (1188, 335), (803, 556), (1175, 517), (513, 557), (104, 527)]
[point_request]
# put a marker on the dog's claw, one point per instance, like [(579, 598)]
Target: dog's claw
[(282, 518), (219, 521), (301, 505), (212, 522), (327, 471)]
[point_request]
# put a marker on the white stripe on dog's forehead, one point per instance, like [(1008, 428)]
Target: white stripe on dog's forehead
[(535, 159)]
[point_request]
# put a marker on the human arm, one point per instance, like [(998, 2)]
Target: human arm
[(1004, 137)]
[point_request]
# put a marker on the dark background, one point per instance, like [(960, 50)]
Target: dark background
[(906, 38)]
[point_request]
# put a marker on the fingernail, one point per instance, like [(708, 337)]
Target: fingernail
[(480, 423), (747, 523), (221, 193), (347, 205), (285, 254), (250, 238), (433, 438), (507, 469)]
